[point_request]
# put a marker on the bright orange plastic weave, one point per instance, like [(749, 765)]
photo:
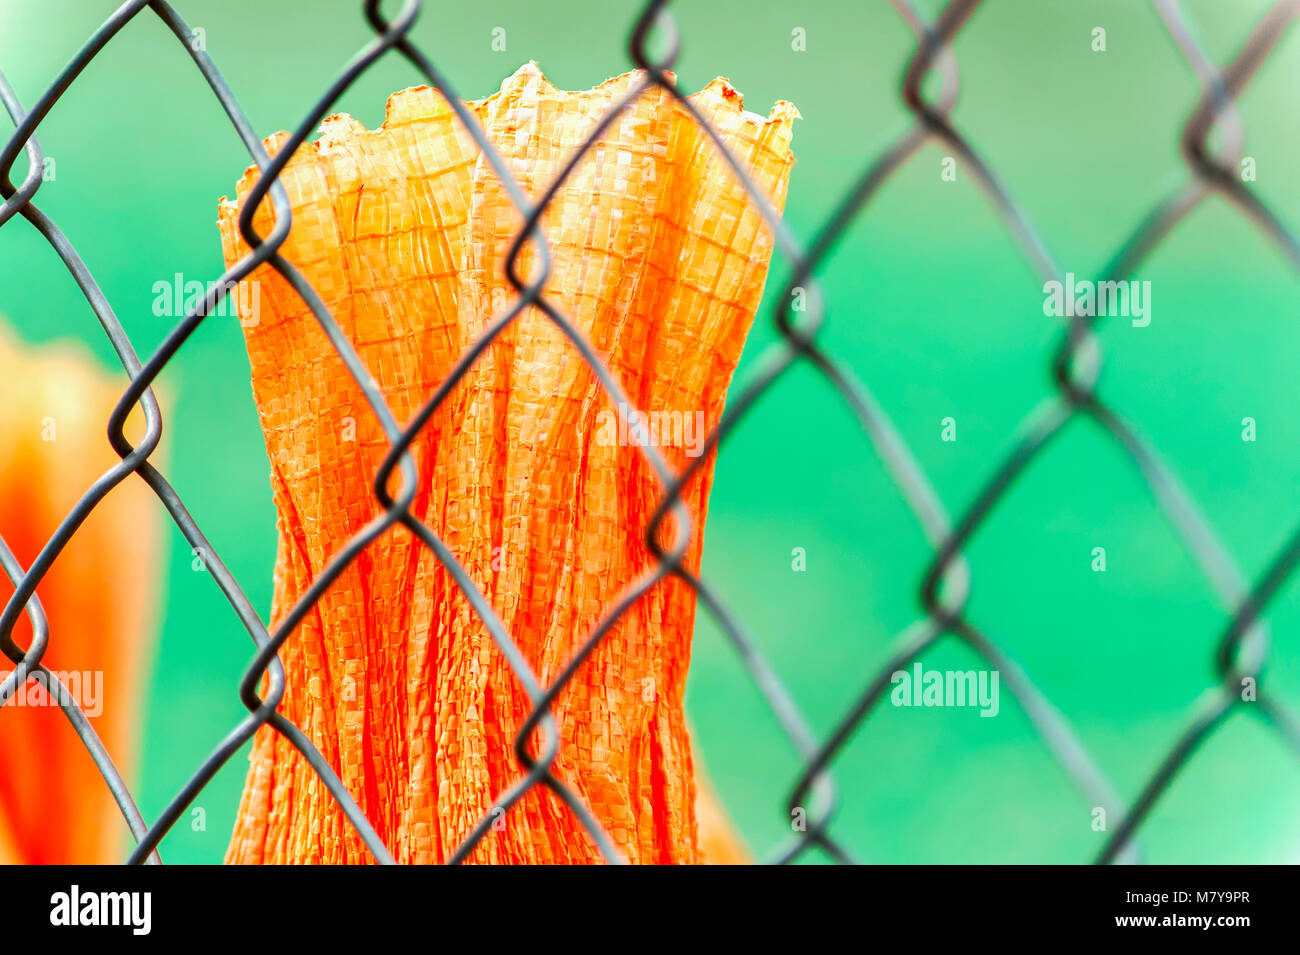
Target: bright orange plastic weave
[(660, 260)]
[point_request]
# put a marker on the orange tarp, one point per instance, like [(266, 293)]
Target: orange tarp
[(660, 260)]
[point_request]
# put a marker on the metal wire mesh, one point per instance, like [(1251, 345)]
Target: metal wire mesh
[(1075, 366)]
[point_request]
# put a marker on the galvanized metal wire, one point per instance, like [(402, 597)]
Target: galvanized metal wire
[(943, 597)]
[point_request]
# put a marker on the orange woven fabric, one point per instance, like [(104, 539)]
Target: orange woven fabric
[(98, 599), (660, 260)]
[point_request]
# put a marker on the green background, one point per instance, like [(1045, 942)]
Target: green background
[(930, 302)]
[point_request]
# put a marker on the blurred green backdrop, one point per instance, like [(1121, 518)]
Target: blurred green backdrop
[(930, 303)]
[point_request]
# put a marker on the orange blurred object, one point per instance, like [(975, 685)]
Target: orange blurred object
[(98, 596), (719, 842), (659, 259)]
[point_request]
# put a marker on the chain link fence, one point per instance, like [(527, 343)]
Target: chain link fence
[(1075, 366)]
